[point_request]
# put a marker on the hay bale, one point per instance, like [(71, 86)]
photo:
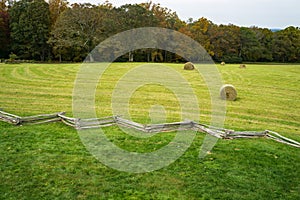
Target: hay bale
[(243, 66), (228, 92), (222, 63), (189, 66)]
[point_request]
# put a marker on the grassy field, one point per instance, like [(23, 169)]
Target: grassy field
[(50, 162)]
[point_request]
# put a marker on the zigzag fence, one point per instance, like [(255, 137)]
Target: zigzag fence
[(81, 124)]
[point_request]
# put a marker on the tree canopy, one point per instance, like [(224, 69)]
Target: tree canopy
[(56, 30), (29, 29)]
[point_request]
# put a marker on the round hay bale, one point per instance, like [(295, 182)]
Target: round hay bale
[(228, 92), (222, 63), (189, 66), (243, 66)]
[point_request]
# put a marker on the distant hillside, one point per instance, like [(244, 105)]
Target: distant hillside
[(275, 29)]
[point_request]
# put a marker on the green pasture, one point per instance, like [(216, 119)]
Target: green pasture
[(49, 161)]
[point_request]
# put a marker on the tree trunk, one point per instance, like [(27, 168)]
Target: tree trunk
[(148, 55), (130, 54)]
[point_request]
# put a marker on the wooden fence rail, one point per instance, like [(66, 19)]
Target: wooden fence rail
[(149, 128)]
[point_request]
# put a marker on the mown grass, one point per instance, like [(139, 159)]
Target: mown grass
[(50, 162)]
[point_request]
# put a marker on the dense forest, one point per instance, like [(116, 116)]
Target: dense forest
[(57, 31)]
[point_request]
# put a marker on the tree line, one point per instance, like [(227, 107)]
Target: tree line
[(57, 31)]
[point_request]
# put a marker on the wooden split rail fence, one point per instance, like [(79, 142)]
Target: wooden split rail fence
[(81, 124)]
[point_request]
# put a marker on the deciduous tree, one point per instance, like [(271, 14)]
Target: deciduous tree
[(56, 7), (286, 45), (77, 31), (251, 49), (30, 26), (225, 43), (4, 30)]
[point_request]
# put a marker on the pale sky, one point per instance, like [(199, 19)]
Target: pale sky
[(261, 13)]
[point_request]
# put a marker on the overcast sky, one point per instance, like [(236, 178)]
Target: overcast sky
[(261, 13)]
